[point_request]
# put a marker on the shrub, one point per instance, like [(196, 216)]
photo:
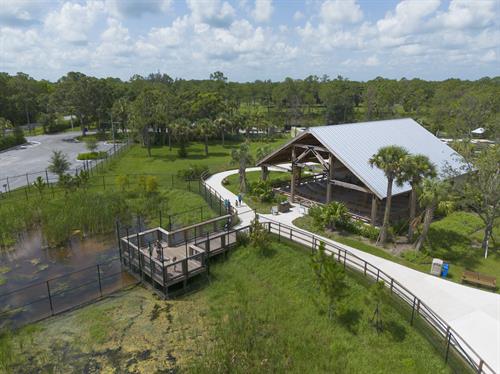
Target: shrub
[(151, 184), (192, 172), (52, 128), (92, 156), (123, 182), (11, 141), (262, 190)]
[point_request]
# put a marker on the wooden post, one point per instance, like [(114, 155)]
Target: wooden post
[(329, 186), (374, 210), (292, 183), (264, 172)]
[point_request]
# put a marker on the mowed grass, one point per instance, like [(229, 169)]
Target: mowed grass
[(257, 314)]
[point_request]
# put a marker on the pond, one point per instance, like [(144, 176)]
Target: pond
[(36, 280)]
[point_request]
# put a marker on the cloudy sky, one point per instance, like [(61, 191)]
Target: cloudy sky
[(252, 39)]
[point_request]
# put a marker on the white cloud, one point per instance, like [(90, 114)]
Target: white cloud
[(489, 56), (408, 17), (341, 11), (213, 13), (263, 10), (73, 21), (20, 13), (464, 14), (298, 15), (137, 8), (372, 61)]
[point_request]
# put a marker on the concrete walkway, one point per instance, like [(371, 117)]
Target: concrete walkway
[(473, 313)]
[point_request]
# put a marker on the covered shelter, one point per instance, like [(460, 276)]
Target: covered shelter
[(336, 160)]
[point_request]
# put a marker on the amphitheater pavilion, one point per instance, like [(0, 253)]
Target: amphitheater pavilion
[(330, 163)]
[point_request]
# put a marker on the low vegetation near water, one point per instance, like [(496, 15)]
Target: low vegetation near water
[(260, 312)]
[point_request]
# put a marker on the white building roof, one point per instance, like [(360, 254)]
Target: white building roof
[(355, 143)]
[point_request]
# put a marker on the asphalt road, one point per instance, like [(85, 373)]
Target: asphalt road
[(35, 158)]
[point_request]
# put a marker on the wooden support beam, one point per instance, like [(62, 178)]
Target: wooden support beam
[(350, 186), (315, 147), (329, 186), (374, 209), (265, 172)]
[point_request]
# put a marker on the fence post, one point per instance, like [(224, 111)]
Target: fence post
[(160, 219), (448, 338), (99, 277), (27, 181), (413, 310), (201, 213), (365, 268), (169, 222), (279, 232), (50, 299), (8, 184), (46, 176), (104, 182)]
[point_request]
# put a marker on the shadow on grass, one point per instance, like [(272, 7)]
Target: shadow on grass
[(453, 246), (349, 318), (396, 330)]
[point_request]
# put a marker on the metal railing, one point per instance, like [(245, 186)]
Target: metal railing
[(452, 340), (59, 294)]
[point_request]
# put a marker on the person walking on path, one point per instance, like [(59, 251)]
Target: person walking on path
[(239, 199)]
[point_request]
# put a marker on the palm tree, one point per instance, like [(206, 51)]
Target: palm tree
[(260, 154), (180, 131), (416, 168), (432, 195), (223, 123), (242, 157), (390, 160), (205, 128)]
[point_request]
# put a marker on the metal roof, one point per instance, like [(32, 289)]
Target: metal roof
[(354, 144)]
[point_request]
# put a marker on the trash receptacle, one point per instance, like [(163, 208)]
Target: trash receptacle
[(444, 270), (436, 266)]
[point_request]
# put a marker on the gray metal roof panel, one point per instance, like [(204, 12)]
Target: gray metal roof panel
[(353, 144)]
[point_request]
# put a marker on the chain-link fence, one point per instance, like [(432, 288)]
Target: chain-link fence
[(56, 295), (11, 184)]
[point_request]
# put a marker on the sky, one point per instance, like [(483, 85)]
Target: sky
[(252, 39)]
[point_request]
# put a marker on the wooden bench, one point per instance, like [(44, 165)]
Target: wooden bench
[(479, 279)]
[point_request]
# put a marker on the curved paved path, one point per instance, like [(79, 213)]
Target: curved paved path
[(473, 313)]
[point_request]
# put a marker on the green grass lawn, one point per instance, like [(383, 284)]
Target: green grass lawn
[(253, 202), (257, 314), (456, 239)]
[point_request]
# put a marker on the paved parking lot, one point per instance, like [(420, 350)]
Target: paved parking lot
[(36, 157)]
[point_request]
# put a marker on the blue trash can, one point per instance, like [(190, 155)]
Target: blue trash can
[(444, 270)]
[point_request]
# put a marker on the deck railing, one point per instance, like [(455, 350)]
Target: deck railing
[(450, 338)]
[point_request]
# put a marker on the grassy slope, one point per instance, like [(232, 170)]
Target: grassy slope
[(257, 314), (455, 239)]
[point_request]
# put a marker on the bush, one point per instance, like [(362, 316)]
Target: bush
[(263, 191), (53, 127), (192, 172), (92, 156), (123, 182), (151, 184), (11, 140)]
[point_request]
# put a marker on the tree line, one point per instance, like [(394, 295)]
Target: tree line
[(452, 107)]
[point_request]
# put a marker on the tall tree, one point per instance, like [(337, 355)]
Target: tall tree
[(433, 192), (205, 129), (222, 124), (242, 158), (415, 169), (480, 190), (390, 160)]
